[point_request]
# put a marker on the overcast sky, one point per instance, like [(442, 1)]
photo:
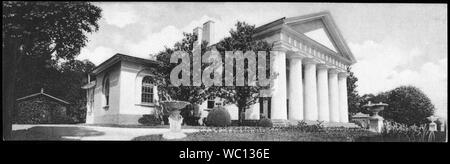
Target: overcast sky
[(394, 44)]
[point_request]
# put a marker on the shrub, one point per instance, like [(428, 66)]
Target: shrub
[(407, 105), (265, 122), (249, 123), (150, 120), (219, 116)]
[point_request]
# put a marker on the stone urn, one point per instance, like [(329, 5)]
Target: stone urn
[(432, 126), (375, 121), (175, 119)]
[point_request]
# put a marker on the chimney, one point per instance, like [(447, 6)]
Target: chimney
[(198, 31), (208, 32)]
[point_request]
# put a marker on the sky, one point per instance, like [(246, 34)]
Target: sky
[(394, 44)]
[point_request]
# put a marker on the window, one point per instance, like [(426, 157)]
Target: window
[(147, 90), (106, 89)]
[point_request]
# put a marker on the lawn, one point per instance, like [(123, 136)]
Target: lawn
[(271, 134)]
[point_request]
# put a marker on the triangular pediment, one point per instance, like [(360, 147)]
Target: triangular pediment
[(321, 28)]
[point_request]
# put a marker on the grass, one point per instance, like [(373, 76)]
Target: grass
[(269, 134)]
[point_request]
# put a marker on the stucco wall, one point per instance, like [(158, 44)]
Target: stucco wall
[(102, 115), (131, 108)]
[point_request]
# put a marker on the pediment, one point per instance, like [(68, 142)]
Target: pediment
[(316, 31), (321, 28)]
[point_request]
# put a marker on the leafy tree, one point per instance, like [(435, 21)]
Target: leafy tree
[(406, 104), (354, 99), (51, 30), (192, 94), (72, 76), (241, 39)]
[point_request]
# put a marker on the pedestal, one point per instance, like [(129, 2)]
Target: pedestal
[(432, 127), (376, 124), (175, 128)]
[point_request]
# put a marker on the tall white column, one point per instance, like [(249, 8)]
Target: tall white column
[(333, 95), (322, 92), (295, 89), (310, 97), (343, 104), (278, 104)]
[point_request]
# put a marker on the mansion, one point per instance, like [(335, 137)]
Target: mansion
[(311, 60)]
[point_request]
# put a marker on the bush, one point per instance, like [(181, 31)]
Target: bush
[(219, 116), (265, 122), (150, 120), (407, 105), (393, 131)]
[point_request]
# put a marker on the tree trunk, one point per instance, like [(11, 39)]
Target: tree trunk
[(9, 51)]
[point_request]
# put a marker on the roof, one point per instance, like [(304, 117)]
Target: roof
[(325, 17), (44, 94), (121, 57)]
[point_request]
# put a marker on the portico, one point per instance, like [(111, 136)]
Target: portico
[(312, 74)]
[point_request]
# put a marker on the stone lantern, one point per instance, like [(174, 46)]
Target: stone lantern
[(375, 121)]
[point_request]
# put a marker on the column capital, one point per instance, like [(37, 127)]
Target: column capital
[(296, 55), (311, 61), (279, 46), (323, 66), (333, 70)]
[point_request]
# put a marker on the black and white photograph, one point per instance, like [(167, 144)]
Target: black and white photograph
[(225, 72)]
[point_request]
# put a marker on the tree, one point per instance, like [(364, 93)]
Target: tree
[(408, 105), (241, 39), (192, 94), (354, 100), (73, 75), (51, 30)]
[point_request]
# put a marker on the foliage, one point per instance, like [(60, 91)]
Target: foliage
[(191, 115), (40, 111), (192, 94), (149, 120), (400, 132), (49, 28), (241, 39), (353, 98), (406, 104), (50, 31), (63, 81), (265, 122), (304, 127), (219, 116)]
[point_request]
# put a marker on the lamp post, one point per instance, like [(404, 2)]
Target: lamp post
[(375, 121)]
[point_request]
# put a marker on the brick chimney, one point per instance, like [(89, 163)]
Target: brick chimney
[(208, 32)]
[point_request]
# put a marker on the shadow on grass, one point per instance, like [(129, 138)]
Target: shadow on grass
[(38, 133)]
